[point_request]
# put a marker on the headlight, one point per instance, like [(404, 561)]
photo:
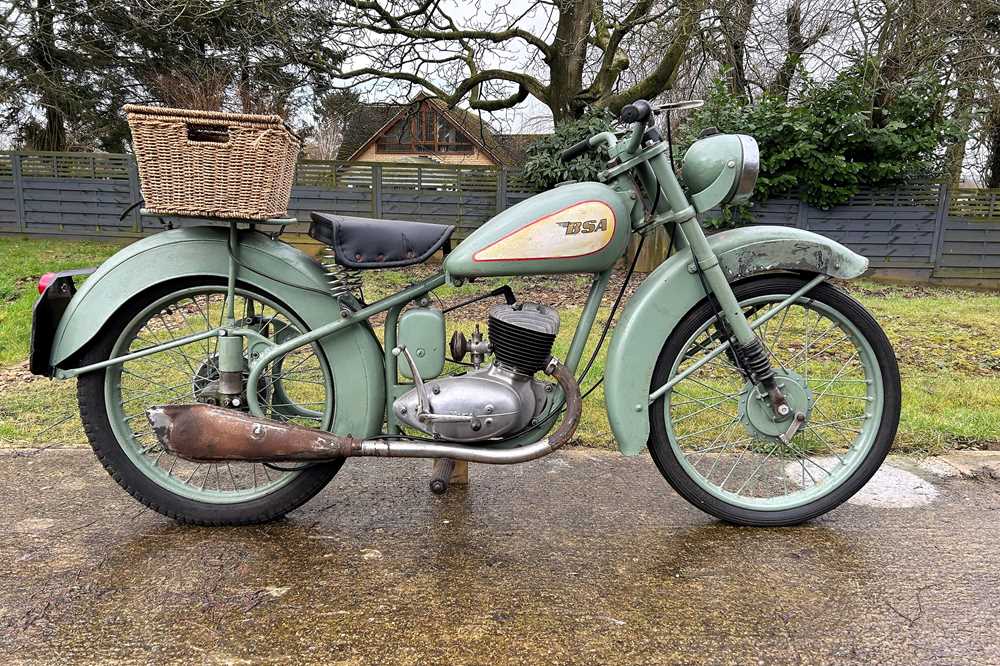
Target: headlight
[(721, 169)]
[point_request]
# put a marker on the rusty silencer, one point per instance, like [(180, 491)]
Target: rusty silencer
[(204, 433)]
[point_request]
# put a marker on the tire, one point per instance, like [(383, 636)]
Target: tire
[(139, 480), (855, 466)]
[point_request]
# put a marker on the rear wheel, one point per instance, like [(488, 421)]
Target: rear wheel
[(719, 444), (112, 402)]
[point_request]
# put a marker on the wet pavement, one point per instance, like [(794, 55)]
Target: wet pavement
[(582, 557)]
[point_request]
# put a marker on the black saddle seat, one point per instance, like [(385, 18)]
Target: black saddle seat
[(361, 242)]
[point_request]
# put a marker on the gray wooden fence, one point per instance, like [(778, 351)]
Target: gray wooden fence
[(921, 231), (924, 231), (84, 194)]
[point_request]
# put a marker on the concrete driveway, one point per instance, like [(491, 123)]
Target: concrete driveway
[(583, 557)]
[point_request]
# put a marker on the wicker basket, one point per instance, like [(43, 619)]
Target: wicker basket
[(212, 164)]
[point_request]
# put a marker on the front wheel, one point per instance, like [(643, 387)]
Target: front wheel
[(113, 404), (715, 438)]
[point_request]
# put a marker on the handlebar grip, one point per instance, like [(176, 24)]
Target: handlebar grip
[(636, 112), (575, 150)]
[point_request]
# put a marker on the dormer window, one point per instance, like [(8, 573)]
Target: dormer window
[(424, 130)]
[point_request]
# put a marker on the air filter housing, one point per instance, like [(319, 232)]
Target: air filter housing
[(522, 335)]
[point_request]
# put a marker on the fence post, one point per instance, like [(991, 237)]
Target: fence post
[(134, 192), (377, 191), (15, 167), (802, 222), (940, 217), (502, 189)]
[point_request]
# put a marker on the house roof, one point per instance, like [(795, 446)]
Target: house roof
[(373, 120), (364, 123)]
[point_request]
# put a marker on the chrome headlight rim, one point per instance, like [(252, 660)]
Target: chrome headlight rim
[(750, 168)]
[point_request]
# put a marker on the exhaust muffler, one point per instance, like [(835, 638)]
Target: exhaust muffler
[(204, 433)]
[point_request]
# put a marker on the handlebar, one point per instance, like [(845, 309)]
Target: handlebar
[(637, 115), (638, 111), (574, 151)]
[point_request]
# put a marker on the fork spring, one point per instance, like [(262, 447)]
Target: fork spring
[(755, 360)]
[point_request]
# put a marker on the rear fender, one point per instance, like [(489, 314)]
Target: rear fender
[(354, 354), (673, 289)]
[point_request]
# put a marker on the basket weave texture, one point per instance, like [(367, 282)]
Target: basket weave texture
[(213, 164)]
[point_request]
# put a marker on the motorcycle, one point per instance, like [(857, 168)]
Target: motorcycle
[(224, 377)]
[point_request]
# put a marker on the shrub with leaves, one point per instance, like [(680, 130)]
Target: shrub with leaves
[(543, 169), (831, 142)]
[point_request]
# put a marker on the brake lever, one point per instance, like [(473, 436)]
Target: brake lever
[(678, 106)]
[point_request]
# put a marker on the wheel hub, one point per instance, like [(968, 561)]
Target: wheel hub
[(205, 386), (759, 418), (205, 382)]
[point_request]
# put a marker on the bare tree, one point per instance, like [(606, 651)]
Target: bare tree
[(568, 54), (800, 38), (730, 47), (332, 114)]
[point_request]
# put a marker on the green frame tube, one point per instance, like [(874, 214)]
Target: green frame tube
[(598, 287), (166, 346), (390, 332)]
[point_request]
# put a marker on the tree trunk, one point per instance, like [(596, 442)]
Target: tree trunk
[(735, 29), (53, 136), (796, 47), (568, 60), (955, 153), (993, 158), (968, 82)]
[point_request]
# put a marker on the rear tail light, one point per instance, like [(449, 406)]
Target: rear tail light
[(45, 281)]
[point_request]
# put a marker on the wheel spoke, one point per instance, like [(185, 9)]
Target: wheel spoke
[(725, 448), (703, 409)]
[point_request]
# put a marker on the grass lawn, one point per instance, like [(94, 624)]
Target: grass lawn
[(22, 262), (946, 341)]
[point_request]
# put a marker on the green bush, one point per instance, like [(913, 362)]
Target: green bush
[(543, 169), (830, 143)]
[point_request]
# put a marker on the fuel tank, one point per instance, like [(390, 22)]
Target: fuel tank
[(574, 228)]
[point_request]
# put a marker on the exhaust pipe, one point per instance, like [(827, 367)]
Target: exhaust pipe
[(203, 433)]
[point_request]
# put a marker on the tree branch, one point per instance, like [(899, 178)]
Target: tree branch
[(663, 76), (526, 85), (397, 26)]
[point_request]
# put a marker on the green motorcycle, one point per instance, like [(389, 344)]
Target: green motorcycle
[(224, 376)]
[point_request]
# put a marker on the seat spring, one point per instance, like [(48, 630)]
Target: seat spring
[(341, 280)]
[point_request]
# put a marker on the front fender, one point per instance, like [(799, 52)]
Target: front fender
[(355, 357), (673, 289)]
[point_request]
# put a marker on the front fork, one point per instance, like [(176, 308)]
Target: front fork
[(747, 347), (748, 350)]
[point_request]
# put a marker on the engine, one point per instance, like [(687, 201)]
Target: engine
[(495, 399)]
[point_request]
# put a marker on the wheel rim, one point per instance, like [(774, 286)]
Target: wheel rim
[(300, 390), (735, 457)]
